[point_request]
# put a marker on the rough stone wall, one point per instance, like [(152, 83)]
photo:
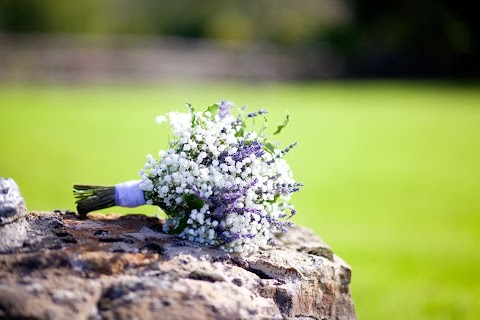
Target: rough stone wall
[(123, 267)]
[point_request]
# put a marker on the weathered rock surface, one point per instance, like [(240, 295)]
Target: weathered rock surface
[(124, 267), (13, 226)]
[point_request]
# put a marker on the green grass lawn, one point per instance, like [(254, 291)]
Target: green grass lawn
[(391, 171)]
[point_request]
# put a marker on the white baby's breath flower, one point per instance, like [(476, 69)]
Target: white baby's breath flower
[(160, 119), (219, 183)]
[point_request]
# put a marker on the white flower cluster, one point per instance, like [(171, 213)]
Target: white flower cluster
[(218, 183)]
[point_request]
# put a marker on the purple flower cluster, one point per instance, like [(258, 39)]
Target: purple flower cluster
[(244, 150)]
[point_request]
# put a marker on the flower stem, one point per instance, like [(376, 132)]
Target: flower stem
[(91, 198)]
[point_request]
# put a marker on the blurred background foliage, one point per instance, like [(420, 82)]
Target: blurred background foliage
[(374, 37)]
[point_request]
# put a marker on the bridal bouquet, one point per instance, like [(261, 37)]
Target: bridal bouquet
[(220, 182)]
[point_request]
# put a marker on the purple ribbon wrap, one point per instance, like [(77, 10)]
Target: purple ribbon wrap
[(128, 194)]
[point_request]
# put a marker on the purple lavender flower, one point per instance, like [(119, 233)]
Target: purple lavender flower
[(224, 108), (287, 188), (257, 113), (244, 151), (283, 152), (221, 203)]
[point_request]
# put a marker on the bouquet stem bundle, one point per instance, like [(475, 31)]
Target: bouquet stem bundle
[(91, 198)]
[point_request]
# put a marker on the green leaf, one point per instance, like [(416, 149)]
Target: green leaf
[(241, 132), (213, 109), (283, 125), (191, 110), (264, 125), (275, 198), (193, 202), (269, 147), (182, 224)]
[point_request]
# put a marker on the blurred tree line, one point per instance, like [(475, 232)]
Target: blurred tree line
[(375, 37)]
